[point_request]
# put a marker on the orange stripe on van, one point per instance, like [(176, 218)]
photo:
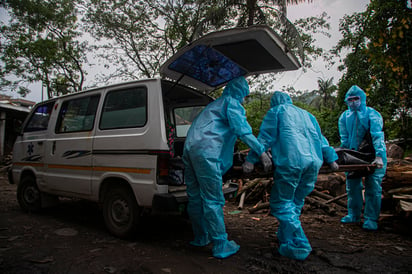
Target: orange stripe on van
[(114, 169), (70, 167), (124, 169), (28, 164)]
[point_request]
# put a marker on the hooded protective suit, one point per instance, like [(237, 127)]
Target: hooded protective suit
[(298, 151), (208, 154), (353, 125)]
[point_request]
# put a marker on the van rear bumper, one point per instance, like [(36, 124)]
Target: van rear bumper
[(171, 202)]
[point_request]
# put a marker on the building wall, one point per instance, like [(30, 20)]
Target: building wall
[(11, 122)]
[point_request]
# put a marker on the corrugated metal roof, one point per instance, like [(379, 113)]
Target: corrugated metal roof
[(12, 107)]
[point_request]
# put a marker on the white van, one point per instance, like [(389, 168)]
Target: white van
[(120, 145)]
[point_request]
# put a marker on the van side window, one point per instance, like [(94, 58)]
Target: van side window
[(125, 108), (40, 118), (77, 114)]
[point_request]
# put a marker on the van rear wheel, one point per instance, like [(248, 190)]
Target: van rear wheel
[(29, 195), (121, 212)]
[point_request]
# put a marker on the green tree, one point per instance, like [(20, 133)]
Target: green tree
[(257, 104), (379, 61), (138, 36), (325, 90), (40, 43)]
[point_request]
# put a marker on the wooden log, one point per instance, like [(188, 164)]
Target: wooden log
[(402, 197), (240, 184), (399, 168), (399, 176), (242, 200), (330, 209), (336, 198), (258, 207), (256, 193), (400, 190), (327, 197), (405, 206), (248, 185)]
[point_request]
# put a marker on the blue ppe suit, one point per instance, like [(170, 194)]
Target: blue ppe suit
[(353, 125), (298, 151), (208, 154)]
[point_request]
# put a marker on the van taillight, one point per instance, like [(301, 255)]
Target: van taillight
[(163, 169)]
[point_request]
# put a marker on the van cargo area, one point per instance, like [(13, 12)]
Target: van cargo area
[(181, 105)]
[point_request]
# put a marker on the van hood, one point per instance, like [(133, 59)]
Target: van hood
[(213, 60)]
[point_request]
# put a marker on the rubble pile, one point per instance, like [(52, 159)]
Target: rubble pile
[(330, 191), (397, 186)]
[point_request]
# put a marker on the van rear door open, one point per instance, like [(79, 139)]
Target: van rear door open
[(216, 58)]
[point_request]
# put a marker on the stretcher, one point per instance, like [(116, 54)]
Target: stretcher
[(237, 171), (349, 161), (348, 168)]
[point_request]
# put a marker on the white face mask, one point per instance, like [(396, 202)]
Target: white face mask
[(354, 105)]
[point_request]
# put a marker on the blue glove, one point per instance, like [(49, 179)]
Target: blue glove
[(378, 162), (248, 167), (334, 166)]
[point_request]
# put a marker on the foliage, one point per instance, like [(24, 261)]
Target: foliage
[(325, 91), (257, 104), (138, 36), (326, 117), (328, 122), (380, 40), (40, 43), (307, 28), (131, 35)]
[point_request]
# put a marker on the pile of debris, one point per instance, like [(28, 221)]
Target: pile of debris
[(330, 191), (397, 186)]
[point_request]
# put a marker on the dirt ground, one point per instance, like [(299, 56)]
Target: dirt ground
[(71, 238)]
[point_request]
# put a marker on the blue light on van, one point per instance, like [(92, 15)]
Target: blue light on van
[(207, 66)]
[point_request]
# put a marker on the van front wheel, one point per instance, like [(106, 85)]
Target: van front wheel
[(28, 195), (121, 212)]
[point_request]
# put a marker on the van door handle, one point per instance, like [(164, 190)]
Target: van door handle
[(40, 142), (53, 147)]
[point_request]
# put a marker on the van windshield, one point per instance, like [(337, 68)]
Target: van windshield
[(184, 117)]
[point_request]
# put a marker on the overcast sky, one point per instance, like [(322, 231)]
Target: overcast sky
[(336, 9)]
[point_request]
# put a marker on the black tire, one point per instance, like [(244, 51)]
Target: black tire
[(29, 195), (121, 212)]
